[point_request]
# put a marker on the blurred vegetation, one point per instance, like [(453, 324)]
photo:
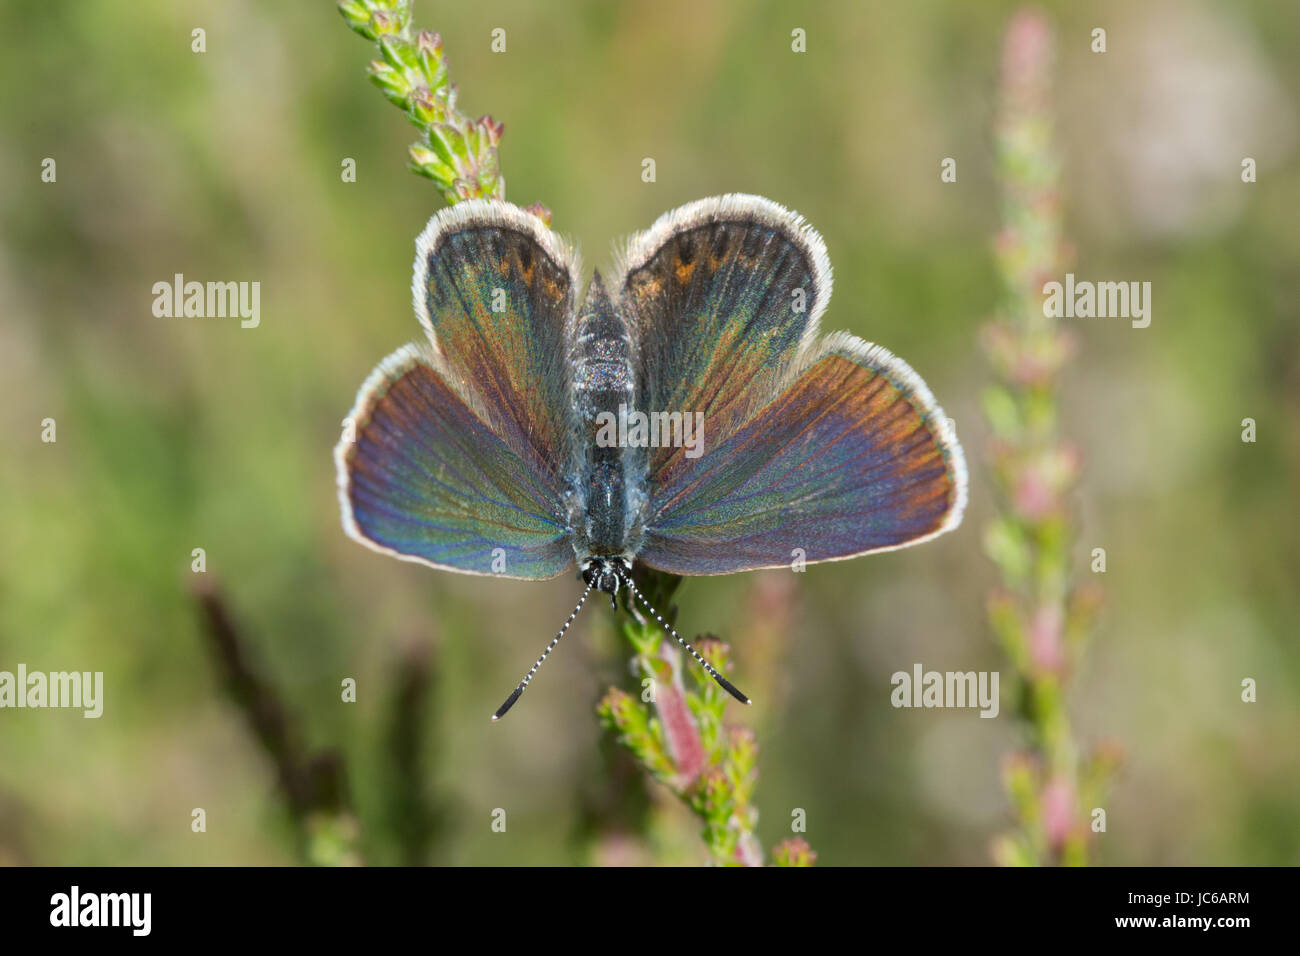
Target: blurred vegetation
[(1043, 609), (175, 434)]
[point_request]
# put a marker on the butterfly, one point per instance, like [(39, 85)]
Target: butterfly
[(513, 440)]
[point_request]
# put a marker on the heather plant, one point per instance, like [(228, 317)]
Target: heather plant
[(1039, 614)]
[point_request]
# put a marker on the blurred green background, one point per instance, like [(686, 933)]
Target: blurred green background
[(175, 434)]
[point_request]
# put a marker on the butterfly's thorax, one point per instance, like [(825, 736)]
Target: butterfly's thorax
[(608, 494)]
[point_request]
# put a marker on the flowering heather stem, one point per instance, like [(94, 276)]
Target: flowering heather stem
[(458, 153), (676, 733), (1038, 615)]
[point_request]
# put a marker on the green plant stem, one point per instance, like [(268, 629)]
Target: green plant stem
[(676, 732), (457, 153), (1039, 616)]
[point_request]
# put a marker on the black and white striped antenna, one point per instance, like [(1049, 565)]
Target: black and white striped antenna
[(523, 684), (709, 669)]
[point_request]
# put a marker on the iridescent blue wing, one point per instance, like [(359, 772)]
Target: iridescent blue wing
[(721, 294), (494, 288), (457, 451), (819, 449), (853, 457), (426, 479)]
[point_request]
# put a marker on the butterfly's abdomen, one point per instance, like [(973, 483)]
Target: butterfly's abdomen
[(608, 493)]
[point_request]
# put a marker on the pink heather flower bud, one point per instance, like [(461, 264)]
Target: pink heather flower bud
[(491, 129), (794, 851), (681, 733), (1047, 640), (428, 43), (1058, 812), (1034, 496), (425, 106), (384, 22), (540, 211), (1026, 58)]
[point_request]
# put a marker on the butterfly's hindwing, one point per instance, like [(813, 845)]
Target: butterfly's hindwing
[(853, 457), (424, 478)]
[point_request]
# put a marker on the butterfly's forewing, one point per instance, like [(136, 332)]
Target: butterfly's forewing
[(721, 294), (837, 449), (494, 288), (457, 451)]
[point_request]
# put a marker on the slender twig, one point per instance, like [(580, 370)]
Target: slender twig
[(413, 819), (314, 784)]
